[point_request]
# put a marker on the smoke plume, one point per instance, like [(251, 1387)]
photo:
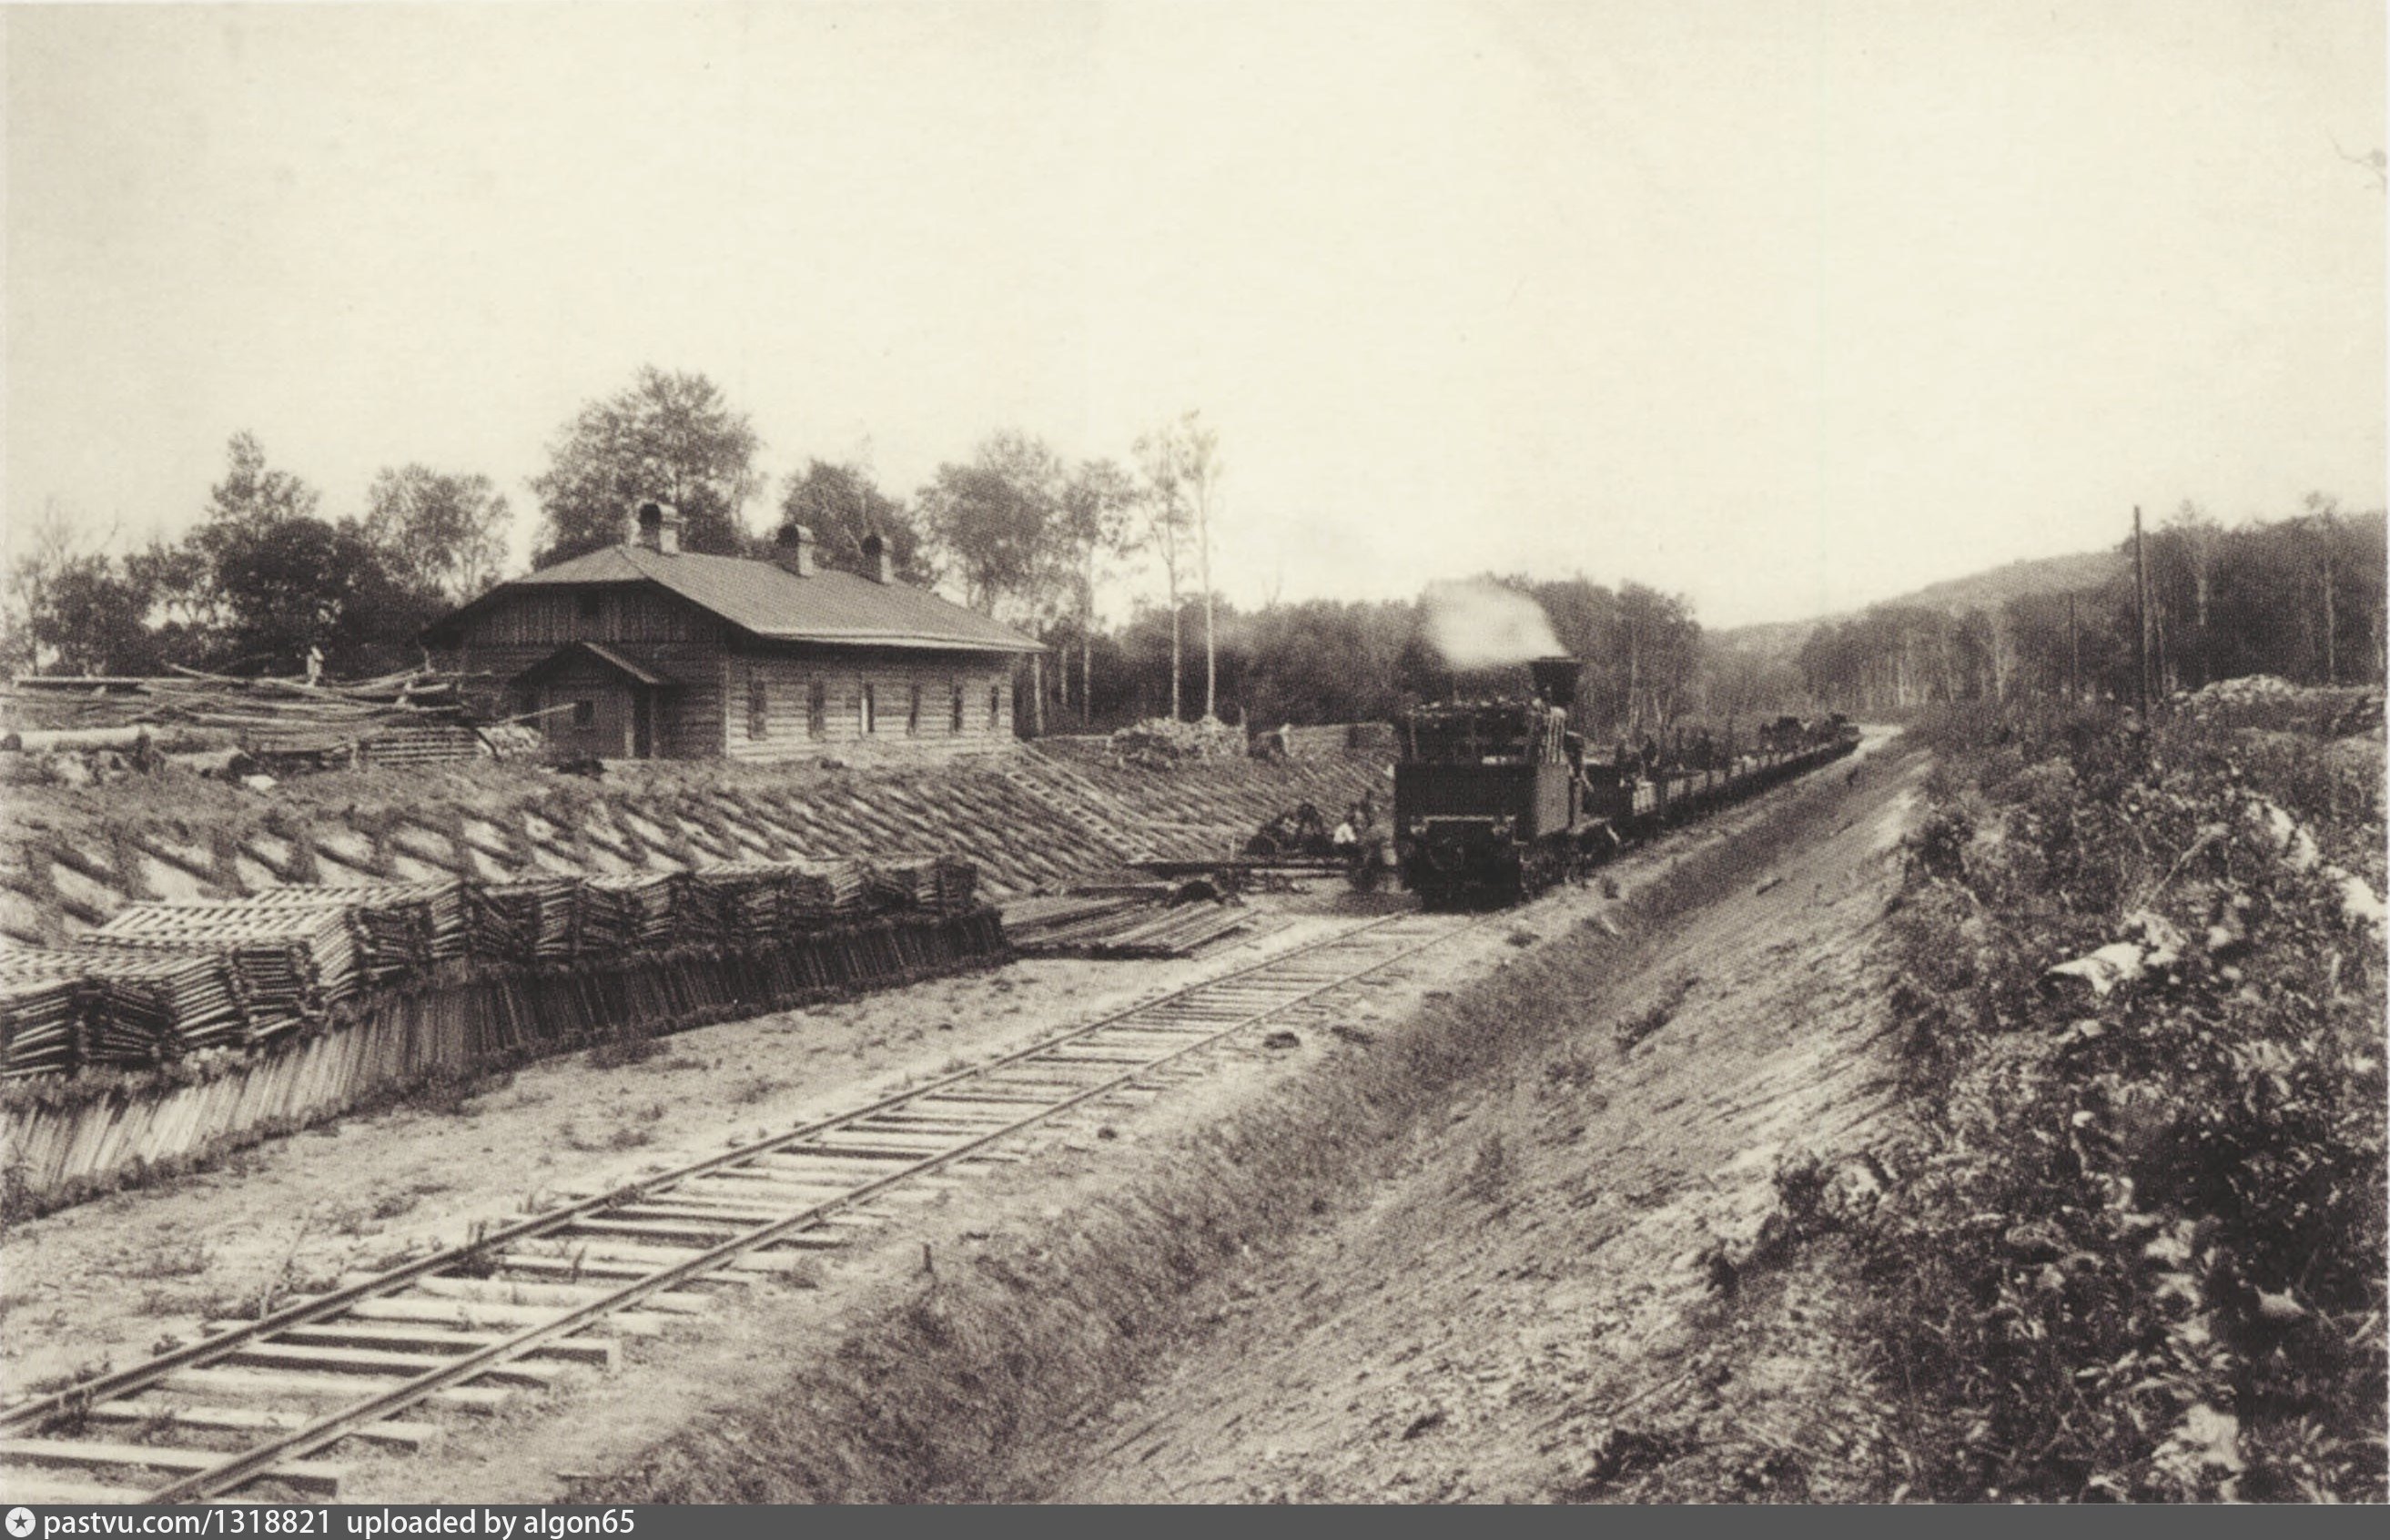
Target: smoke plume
[(1479, 624)]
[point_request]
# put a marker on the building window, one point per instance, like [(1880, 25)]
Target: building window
[(913, 712), (585, 713), (585, 602), (995, 707), (871, 710), (818, 710), (957, 725), (759, 708)]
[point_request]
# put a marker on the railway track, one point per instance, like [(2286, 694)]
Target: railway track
[(251, 1408)]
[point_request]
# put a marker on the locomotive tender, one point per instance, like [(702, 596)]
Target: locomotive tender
[(1496, 799)]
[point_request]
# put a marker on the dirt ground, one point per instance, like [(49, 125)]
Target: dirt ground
[(1466, 1334), (1527, 1311), (104, 1281)]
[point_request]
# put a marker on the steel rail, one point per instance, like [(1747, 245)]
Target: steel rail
[(334, 1425), (249, 1465), (317, 1307)]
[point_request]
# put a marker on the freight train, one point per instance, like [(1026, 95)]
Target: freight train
[(1495, 801)]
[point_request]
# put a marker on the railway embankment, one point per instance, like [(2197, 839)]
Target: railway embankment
[(1405, 1257)]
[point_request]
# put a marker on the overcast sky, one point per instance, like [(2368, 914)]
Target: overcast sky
[(1783, 306)]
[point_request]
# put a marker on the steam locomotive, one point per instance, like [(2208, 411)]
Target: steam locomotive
[(1495, 801)]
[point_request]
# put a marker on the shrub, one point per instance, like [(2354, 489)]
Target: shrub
[(2141, 1249)]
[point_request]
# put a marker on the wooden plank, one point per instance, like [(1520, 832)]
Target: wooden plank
[(657, 1256), (468, 1314), (339, 1360), (506, 1291), (700, 1234), (237, 1385), (432, 1339), (409, 1436), (316, 1477)]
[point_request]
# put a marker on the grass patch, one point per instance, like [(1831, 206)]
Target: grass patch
[(1629, 1030)]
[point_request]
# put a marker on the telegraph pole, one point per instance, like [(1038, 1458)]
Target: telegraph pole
[(2141, 608), (2073, 656)]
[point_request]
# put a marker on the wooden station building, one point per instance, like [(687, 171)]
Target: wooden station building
[(642, 650)]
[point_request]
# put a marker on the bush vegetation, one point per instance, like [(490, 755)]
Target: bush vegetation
[(2137, 1251)]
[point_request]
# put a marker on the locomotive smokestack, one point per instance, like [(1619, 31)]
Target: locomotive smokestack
[(1555, 680)]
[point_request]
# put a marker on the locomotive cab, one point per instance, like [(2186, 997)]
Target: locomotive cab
[(1488, 792)]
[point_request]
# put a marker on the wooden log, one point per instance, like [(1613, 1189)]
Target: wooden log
[(466, 1314), (371, 1337), (309, 1476), (412, 1437), (369, 1361), (562, 1295), (218, 1386)]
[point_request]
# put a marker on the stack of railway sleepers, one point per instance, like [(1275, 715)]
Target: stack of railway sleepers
[(286, 964), (823, 893), (905, 882), (162, 980), (146, 1004), (526, 920), (1028, 921), (1131, 924), (629, 913), (946, 884), (41, 1007), (391, 924), (735, 904), (957, 884)]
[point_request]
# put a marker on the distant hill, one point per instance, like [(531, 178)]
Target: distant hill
[(1988, 590), (2049, 574)]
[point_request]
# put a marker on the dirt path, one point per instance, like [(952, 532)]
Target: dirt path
[(1525, 1312)]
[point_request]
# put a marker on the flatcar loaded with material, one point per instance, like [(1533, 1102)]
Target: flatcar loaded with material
[(1496, 799)]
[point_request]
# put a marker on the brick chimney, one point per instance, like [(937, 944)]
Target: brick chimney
[(793, 550), (876, 565), (656, 526)]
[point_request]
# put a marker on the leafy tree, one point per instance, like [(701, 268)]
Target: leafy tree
[(252, 494), (1659, 644), (669, 436), (91, 620), (284, 586), (1167, 513), (841, 505), (994, 520), (70, 606), (1092, 523), (1182, 464), (262, 580), (438, 532)]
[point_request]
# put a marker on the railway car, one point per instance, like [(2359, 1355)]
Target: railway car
[(1496, 799)]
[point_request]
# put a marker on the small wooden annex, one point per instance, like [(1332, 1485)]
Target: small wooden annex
[(643, 651)]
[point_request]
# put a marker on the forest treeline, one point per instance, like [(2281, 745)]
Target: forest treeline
[(2300, 598), (267, 578)]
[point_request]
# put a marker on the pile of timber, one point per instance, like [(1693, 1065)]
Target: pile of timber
[(163, 982), (1136, 921), (266, 715), (72, 1138)]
